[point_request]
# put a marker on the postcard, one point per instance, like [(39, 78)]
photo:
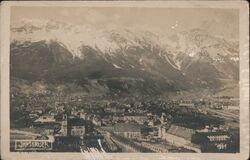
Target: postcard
[(124, 80)]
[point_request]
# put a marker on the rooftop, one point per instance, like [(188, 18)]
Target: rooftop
[(127, 127), (219, 133), (181, 132), (76, 122)]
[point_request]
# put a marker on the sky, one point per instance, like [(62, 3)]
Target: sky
[(222, 22)]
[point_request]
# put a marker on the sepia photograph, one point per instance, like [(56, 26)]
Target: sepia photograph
[(108, 79)]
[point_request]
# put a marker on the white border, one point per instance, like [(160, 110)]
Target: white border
[(244, 78)]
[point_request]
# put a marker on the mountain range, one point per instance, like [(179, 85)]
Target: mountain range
[(122, 60)]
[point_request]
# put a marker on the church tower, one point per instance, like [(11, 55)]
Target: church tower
[(64, 125)]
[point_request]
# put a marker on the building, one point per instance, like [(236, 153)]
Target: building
[(72, 126), (186, 104), (64, 125), (163, 119), (82, 115), (118, 117), (96, 121), (212, 141), (218, 137), (77, 131), (140, 119), (76, 127), (38, 111), (53, 113), (33, 115), (179, 136), (45, 119), (128, 130), (59, 108), (50, 128), (232, 107), (49, 131)]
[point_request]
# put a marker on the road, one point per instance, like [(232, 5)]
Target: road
[(226, 115), (125, 147), (24, 133)]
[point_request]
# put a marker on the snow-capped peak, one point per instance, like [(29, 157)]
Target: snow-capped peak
[(112, 40)]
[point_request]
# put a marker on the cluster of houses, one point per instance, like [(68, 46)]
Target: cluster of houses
[(66, 131), (70, 127), (173, 134), (210, 137), (74, 127), (225, 103)]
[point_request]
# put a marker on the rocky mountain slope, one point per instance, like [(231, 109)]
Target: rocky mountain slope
[(121, 59)]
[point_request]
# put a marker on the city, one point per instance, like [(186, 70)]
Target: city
[(138, 124)]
